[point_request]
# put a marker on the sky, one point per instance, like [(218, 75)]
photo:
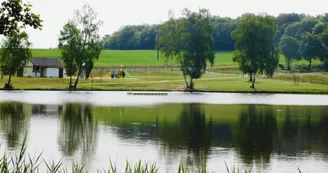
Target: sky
[(117, 13)]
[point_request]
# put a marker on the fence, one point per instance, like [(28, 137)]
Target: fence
[(176, 68), (297, 79), (141, 68)]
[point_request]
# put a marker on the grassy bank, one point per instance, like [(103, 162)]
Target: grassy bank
[(171, 81)]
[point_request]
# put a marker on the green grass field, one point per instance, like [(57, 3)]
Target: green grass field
[(129, 57), (223, 60)]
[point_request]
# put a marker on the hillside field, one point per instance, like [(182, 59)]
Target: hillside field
[(128, 57), (146, 58)]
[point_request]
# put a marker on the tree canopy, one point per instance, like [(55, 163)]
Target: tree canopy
[(80, 43), (255, 44), (14, 54), (189, 41), (15, 14), (290, 47)]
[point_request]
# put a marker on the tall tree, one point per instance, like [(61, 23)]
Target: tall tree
[(189, 41), (15, 14), (290, 47), (323, 53), (310, 47), (255, 44), (85, 47), (70, 41), (14, 54)]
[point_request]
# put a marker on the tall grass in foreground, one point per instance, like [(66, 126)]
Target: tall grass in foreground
[(23, 163)]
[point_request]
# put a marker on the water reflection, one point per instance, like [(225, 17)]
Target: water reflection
[(255, 134), (13, 123), (258, 133), (304, 134), (78, 130), (192, 132)]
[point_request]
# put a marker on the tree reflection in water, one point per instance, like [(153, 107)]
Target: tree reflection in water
[(256, 133), (13, 123), (192, 133), (79, 131)]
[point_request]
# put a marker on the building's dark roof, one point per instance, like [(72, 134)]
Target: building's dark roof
[(47, 62)]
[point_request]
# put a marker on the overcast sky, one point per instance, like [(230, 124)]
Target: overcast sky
[(116, 13)]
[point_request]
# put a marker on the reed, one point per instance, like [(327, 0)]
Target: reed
[(23, 163)]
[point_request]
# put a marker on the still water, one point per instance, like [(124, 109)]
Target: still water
[(271, 133)]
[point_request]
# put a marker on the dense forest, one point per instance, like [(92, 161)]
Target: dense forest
[(132, 37)]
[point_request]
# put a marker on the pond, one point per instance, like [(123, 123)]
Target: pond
[(269, 132)]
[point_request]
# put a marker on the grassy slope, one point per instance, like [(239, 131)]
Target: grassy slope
[(142, 57), (128, 57), (162, 80)]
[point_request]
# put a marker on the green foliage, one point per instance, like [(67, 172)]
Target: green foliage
[(292, 30), (14, 54), (307, 25), (244, 63), (311, 46), (222, 28), (80, 42), (319, 28), (290, 47), (255, 45), (70, 39), (15, 14), (189, 41), (284, 20), (132, 37), (143, 37), (324, 50)]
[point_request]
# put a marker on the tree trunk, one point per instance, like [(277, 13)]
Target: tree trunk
[(10, 73), (191, 84), (288, 65), (250, 77), (71, 73), (185, 78), (77, 79), (253, 82), (70, 82), (310, 64), (9, 80)]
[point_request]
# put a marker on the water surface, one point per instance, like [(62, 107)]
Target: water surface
[(272, 133)]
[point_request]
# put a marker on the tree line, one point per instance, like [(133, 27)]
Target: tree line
[(136, 37), (132, 37)]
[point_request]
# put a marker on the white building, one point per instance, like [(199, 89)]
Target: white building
[(44, 67)]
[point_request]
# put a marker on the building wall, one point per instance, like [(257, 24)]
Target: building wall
[(47, 72), (51, 72), (28, 72)]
